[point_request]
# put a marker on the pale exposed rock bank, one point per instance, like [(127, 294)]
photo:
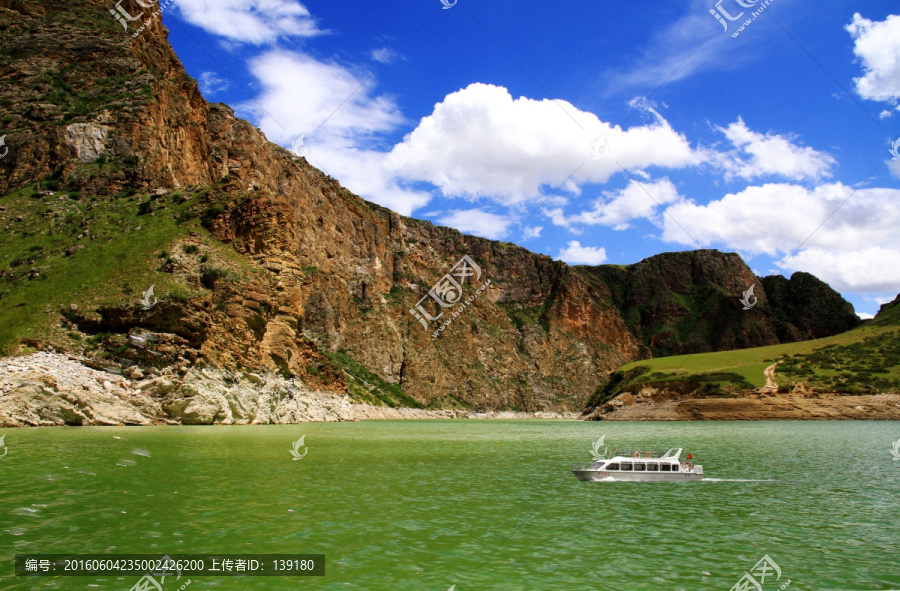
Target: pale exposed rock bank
[(45, 389)]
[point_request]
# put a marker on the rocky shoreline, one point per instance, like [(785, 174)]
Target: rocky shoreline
[(46, 389), (54, 389), (651, 404), (366, 412)]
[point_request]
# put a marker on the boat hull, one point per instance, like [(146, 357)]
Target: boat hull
[(604, 476)]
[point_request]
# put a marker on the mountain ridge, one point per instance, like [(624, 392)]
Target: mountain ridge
[(120, 176)]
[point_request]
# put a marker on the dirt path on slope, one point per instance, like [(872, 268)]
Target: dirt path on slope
[(771, 386)]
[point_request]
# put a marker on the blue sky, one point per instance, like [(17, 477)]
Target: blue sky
[(593, 132)]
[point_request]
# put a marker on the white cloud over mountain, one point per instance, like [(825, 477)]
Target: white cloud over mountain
[(845, 235), (478, 222), (339, 114), (868, 270), (480, 142), (617, 208), (302, 95), (250, 21), (576, 254)]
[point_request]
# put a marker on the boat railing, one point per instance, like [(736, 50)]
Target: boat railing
[(629, 453)]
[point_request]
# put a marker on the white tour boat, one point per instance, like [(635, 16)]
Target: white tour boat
[(638, 466)]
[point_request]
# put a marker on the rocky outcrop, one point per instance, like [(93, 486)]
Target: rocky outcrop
[(87, 139), (805, 307), (216, 396), (680, 303), (45, 389)]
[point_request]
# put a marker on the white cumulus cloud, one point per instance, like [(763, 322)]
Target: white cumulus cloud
[(477, 222), (340, 116), (250, 21), (302, 95), (867, 270), (576, 254), (479, 142), (877, 45), (617, 208), (758, 154)]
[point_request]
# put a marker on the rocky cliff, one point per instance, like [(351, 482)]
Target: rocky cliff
[(685, 302), (120, 176)]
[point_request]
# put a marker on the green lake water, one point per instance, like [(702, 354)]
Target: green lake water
[(425, 505)]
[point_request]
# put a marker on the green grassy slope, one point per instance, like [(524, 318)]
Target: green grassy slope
[(62, 248), (864, 360)]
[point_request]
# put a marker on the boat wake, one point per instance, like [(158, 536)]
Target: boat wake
[(740, 480)]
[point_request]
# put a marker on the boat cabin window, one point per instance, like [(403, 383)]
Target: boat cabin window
[(612, 467), (665, 467), (640, 467), (626, 466), (652, 467)]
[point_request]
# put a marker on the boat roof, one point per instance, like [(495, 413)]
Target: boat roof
[(672, 454)]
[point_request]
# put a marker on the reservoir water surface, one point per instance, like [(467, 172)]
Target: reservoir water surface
[(479, 505)]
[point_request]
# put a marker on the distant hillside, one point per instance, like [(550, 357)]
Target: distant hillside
[(688, 302), (888, 314), (865, 360)]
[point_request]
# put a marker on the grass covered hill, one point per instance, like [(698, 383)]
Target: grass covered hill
[(865, 360)]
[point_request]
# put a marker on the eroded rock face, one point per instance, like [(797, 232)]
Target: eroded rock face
[(690, 302), (215, 396), (45, 389), (87, 139)]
